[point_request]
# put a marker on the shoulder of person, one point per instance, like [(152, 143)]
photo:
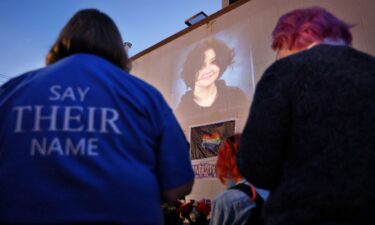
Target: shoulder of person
[(118, 75), (12, 83), (285, 70), (232, 196), (186, 102), (224, 89)]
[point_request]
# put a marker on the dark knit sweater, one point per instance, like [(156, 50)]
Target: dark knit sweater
[(310, 138)]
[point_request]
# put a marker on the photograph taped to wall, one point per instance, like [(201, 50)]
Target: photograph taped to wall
[(205, 140), (205, 143)]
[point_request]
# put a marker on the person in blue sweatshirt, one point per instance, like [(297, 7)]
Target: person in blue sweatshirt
[(82, 141)]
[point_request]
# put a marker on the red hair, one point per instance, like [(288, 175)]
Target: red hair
[(226, 165), (300, 28)]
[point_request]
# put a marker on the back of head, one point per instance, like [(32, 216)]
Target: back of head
[(90, 31), (226, 165), (300, 28)]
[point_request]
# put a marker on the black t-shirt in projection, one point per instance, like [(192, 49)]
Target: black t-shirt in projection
[(231, 102)]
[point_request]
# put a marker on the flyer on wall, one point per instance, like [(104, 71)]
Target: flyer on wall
[(205, 141)]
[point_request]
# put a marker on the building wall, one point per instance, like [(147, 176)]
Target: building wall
[(248, 28)]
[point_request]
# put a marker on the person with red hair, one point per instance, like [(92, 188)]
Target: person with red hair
[(309, 138), (226, 165), (240, 203)]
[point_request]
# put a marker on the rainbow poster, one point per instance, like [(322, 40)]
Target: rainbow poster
[(205, 140)]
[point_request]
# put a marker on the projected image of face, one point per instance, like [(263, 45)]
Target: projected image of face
[(202, 70), (207, 94), (209, 73)]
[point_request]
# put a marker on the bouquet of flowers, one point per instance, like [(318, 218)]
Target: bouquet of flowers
[(193, 212)]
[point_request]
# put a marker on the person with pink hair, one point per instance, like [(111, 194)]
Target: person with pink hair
[(310, 135), (304, 28)]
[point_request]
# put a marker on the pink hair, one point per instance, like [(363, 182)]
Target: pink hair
[(299, 28)]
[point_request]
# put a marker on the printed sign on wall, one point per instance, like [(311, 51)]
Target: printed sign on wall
[(205, 143)]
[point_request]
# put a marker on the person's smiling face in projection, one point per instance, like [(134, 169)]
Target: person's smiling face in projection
[(209, 72), (202, 70)]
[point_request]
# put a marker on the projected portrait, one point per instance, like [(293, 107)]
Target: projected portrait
[(206, 91)]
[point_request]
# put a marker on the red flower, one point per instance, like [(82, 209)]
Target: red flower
[(185, 208), (204, 206)]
